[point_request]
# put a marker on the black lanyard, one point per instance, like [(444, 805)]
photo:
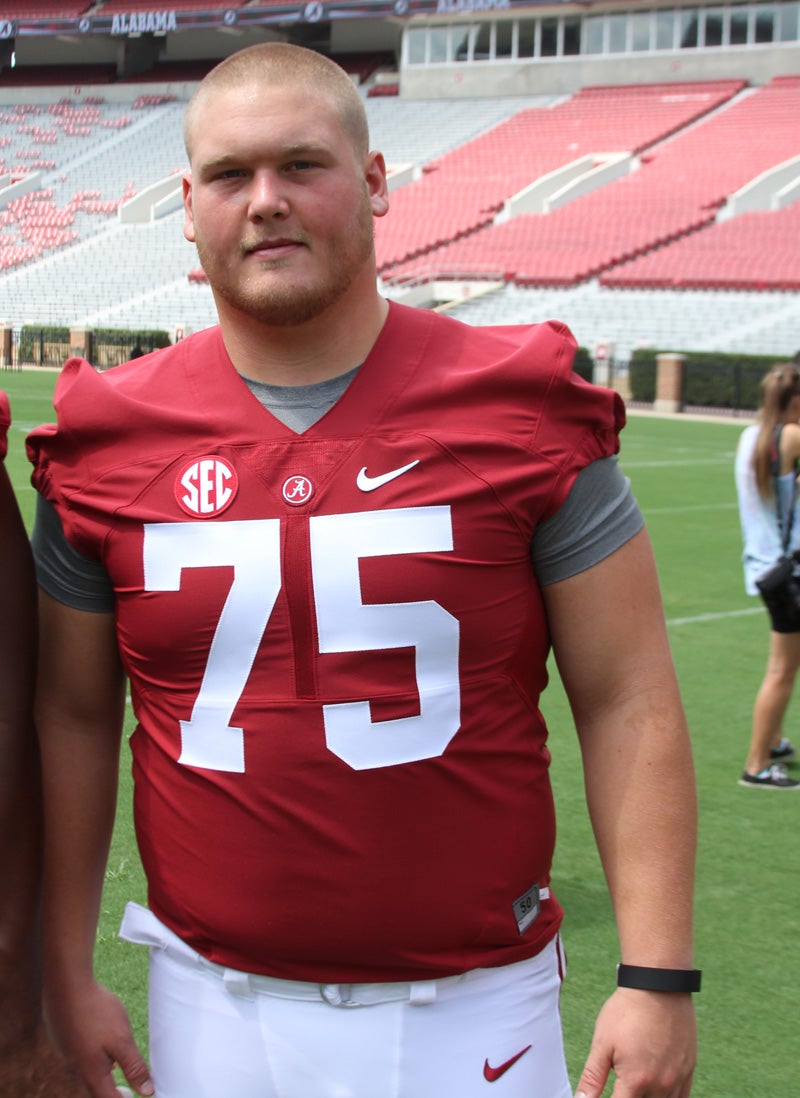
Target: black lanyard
[(775, 469)]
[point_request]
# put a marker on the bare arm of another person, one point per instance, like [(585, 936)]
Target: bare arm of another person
[(79, 714), (610, 642), (28, 1064)]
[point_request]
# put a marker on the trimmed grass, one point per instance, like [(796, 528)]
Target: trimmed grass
[(748, 887)]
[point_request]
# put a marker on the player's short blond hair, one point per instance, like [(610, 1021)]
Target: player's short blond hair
[(278, 63)]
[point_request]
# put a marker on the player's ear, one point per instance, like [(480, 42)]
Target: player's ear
[(375, 175), (188, 224)]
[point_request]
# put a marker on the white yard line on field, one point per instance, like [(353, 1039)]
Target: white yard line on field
[(690, 507), (720, 616)]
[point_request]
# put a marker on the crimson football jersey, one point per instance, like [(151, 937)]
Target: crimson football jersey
[(5, 423), (335, 641)]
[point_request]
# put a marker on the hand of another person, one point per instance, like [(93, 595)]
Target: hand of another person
[(94, 1033), (33, 1069), (649, 1040)]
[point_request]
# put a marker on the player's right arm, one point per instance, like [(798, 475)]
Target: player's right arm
[(79, 713)]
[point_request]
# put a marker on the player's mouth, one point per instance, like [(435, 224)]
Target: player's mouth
[(273, 249)]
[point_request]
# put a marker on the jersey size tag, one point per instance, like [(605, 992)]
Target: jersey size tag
[(526, 908)]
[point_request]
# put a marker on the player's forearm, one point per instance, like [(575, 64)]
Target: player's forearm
[(80, 771), (79, 711), (641, 796)]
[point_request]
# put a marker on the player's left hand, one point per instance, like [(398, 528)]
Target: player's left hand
[(648, 1039)]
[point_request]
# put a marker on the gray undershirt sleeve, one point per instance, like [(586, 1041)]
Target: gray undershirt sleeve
[(64, 573), (599, 515)]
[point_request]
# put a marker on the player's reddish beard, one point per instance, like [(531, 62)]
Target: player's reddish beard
[(291, 300)]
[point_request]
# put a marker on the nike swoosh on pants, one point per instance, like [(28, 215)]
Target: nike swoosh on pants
[(493, 1074)]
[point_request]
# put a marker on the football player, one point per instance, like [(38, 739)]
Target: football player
[(331, 542), (28, 1065)]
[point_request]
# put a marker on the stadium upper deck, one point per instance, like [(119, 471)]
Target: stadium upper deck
[(428, 48)]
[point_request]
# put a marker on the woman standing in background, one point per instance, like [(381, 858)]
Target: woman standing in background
[(768, 511)]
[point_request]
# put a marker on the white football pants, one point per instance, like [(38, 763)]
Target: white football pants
[(221, 1033)]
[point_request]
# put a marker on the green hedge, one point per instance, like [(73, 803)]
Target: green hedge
[(50, 346), (710, 379), (583, 364), (125, 337), (43, 346), (110, 346)]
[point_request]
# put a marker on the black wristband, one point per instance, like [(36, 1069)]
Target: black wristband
[(658, 979)]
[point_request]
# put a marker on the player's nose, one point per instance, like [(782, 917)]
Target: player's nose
[(267, 198)]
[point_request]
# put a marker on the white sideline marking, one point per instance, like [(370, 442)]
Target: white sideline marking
[(716, 617), (672, 463), (689, 507)]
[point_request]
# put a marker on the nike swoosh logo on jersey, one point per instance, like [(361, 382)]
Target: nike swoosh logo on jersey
[(369, 484), (491, 1075)]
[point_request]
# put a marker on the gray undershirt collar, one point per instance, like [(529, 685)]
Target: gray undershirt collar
[(300, 406)]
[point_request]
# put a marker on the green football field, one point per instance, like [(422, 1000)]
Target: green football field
[(748, 885)]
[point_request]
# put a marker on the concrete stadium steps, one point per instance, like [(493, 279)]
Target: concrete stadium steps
[(747, 321)]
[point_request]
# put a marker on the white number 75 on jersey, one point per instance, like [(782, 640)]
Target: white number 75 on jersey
[(344, 622)]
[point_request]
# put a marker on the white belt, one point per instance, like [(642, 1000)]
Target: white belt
[(140, 926)]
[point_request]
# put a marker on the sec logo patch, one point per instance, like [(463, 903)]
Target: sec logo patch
[(206, 487)]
